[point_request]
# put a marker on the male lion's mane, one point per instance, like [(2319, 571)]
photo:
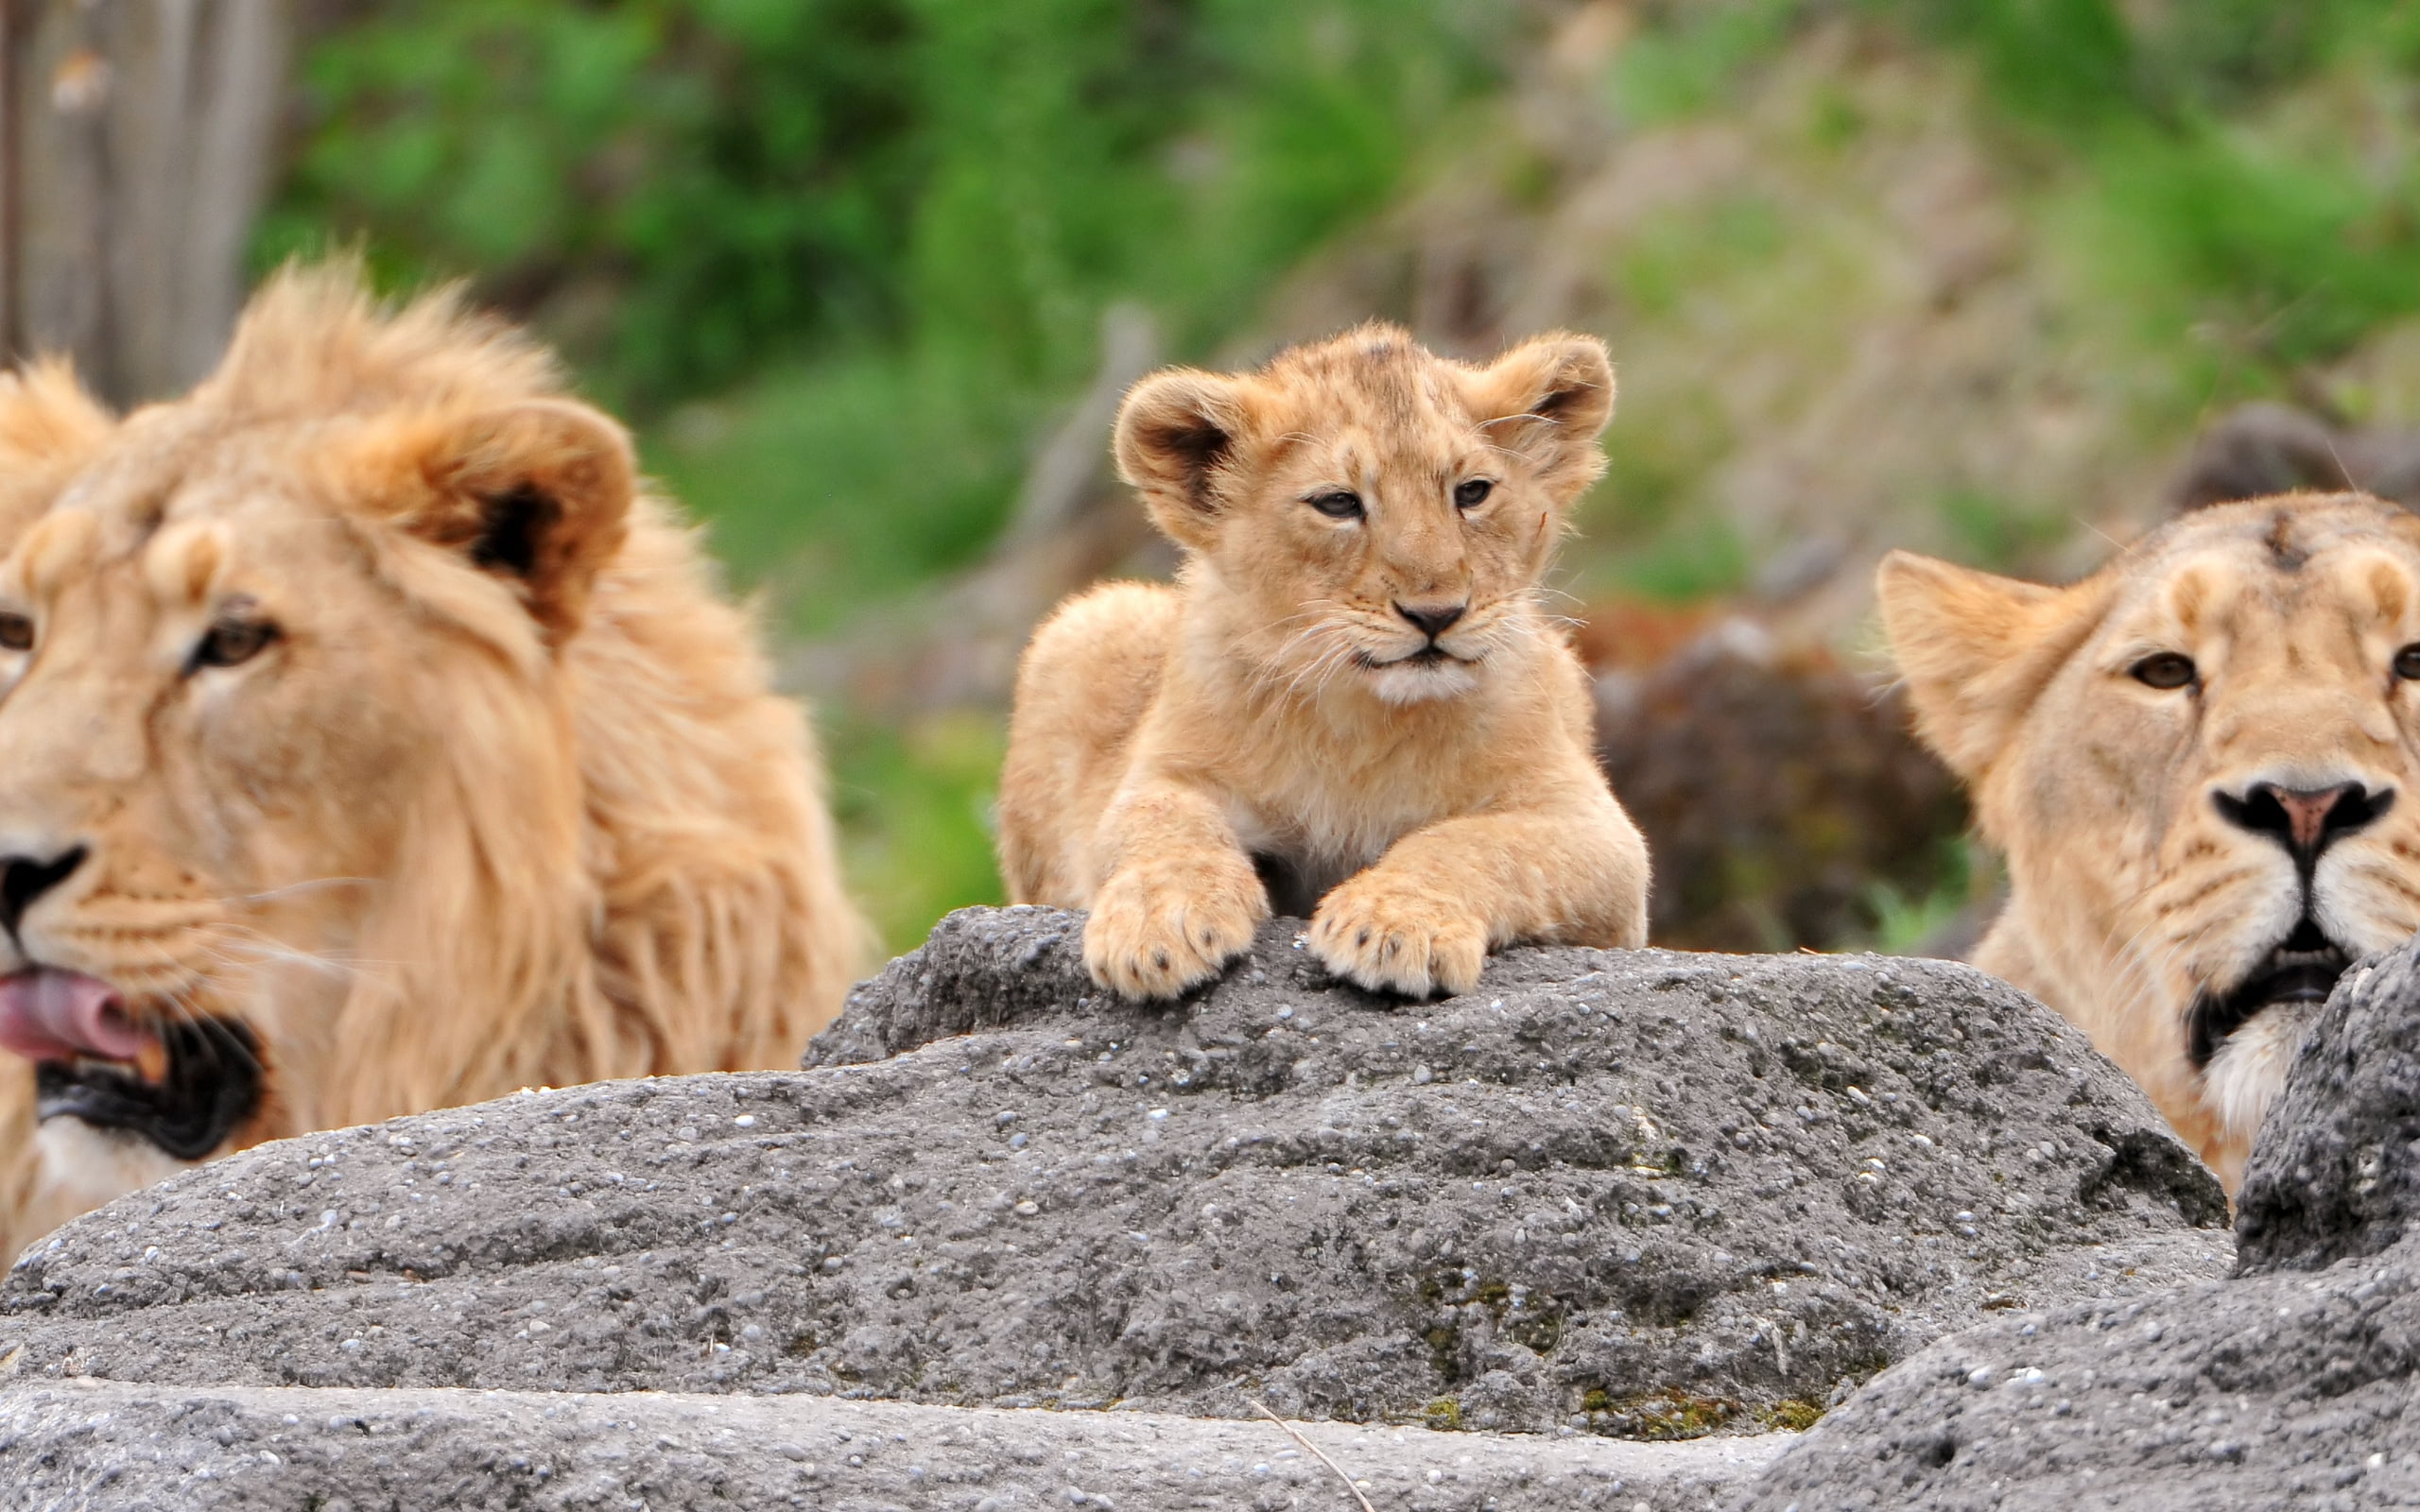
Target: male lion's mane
[(622, 865)]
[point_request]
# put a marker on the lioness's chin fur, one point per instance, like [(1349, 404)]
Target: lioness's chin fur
[(1349, 693), (2201, 762), (363, 710)]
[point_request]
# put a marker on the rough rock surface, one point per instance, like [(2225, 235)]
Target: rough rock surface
[(101, 1444), (1643, 1194), (2338, 1179), (2286, 1386)]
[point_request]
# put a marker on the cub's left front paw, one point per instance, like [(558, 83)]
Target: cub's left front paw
[(1392, 937)]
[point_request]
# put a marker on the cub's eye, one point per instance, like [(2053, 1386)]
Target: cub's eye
[(231, 643), (2407, 662), (2164, 669), (1472, 492), (16, 633), (1337, 505)]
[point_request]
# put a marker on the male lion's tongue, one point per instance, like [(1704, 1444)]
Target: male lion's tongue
[(52, 1015)]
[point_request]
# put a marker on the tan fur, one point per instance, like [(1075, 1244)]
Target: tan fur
[(461, 828), (2131, 891), (1166, 737)]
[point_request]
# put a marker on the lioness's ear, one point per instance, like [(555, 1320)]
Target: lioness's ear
[(539, 492), (1176, 434), (1977, 650), (1549, 400)]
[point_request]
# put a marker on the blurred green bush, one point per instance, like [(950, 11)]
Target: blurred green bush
[(686, 191), (843, 260)]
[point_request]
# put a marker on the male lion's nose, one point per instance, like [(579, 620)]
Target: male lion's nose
[(2304, 821), (24, 879), (1434, 619)]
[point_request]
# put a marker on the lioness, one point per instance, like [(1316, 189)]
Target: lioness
[(2199, 762), (1351, 696), (370, 741)]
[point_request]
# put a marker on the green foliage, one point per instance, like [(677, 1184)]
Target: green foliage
[(1990, 531), (1678, 253), (2242, 241), (1904, 925), (915, 814), (1689, 560), (1691, 52), (683, 191), (2075, 68), (836, 486), (681, 185)]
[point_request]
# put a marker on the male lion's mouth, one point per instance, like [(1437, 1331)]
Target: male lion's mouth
[(2302, 968), (183, 1085)]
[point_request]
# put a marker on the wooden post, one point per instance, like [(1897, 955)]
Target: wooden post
[(136, 144)]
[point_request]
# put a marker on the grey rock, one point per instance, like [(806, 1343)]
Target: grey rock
[(2332, 1176), (1636, 1193), (2289, 1386), (86, 1444)]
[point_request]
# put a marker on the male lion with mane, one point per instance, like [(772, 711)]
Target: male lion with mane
[(2199, 762), (1350, 698), (370, 742)]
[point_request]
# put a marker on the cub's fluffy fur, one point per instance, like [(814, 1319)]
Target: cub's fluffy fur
[(1351, 695), (479, 784), (2201, 765)]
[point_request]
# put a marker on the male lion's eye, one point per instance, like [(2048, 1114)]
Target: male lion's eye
[(2164, 669), (1472, 492), (230, 643), (16, 633), (2407, 662), (1337, 505)]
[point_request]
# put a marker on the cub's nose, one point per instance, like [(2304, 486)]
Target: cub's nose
[(25, 879), (2304, 821), (1433, 620)]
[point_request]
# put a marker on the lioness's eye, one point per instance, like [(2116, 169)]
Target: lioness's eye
[(16, 633), (2164, 669), (230, 643), (2407, 662), (1337, 505), (1472, 492)]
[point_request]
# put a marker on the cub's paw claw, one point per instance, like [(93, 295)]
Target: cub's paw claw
[(1390, 939), (1151, 936)]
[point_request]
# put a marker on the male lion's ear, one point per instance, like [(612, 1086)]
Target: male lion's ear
[(1977, 650), (49, 427), (1177, 432), (45, 414), (1549, 399), (539, 492)]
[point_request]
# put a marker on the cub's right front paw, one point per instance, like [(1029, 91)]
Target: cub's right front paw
[(1152, 934)]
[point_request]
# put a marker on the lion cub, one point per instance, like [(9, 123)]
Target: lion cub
[(1350, 697)]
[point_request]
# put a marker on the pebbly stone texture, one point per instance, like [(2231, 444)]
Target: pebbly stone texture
[(1635, 1193), (2338, 1178), (2287, 1386), (87, 1444)]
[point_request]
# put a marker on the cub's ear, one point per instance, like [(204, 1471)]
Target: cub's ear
[(1977, 650), (1549, 400), (538, 492), (1177, 436)]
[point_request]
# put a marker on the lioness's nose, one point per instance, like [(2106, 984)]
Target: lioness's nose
[(2304, 821), (24, 879), (1434, 619)]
